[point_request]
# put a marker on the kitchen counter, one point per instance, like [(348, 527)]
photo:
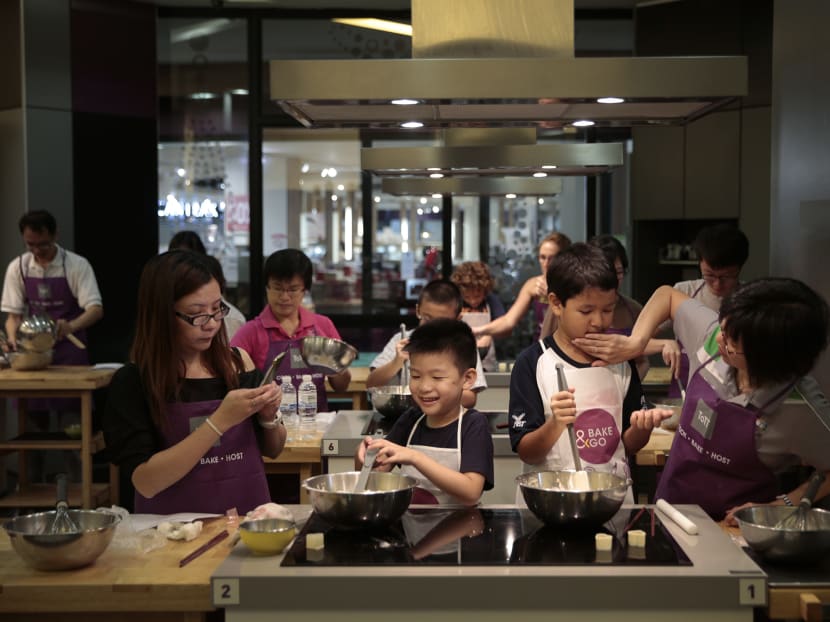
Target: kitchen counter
[(722, 584), (123, 584)]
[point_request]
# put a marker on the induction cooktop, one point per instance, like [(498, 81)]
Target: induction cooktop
[(486, 537)]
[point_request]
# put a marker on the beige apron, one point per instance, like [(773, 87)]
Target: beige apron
[(480, 318)]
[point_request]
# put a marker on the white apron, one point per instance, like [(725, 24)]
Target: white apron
[(450, 458), (599, 397), (480, 318)]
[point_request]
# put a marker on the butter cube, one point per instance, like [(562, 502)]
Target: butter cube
[(603, 541), (637, 538), (314, 542)]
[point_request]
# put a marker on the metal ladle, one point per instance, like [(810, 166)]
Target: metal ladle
[(563, 386)]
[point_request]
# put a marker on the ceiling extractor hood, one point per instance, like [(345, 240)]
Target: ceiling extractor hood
[(491, 63)]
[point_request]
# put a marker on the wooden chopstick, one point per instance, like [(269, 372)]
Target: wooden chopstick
[(634, 520), (205, 547)]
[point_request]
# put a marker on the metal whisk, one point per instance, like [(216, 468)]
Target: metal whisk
[(799, 518), (62, 523)]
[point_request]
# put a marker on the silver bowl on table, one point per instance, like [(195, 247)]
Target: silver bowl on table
[(556, 498), (759, 528), (386, 498), (30, 538)]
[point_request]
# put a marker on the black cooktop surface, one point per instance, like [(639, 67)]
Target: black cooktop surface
[(486, 537)]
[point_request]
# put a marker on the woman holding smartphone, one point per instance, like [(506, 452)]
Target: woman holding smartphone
[(187, 417)]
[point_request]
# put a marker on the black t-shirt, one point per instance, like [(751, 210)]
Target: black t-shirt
[(476, 440), (131, 436)]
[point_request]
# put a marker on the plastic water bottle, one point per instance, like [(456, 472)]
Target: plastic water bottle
[(288, 405), (307, 407)]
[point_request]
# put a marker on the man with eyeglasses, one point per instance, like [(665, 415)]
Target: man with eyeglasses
[(50, 280), (722, 250), (284, 323)]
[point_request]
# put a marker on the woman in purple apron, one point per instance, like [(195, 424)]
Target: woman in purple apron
[(284, 323), (714, 462), (186, 418), (733, 435)]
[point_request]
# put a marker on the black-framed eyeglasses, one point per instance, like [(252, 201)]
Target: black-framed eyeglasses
[(289, 291), (204, 318), (720, 278)]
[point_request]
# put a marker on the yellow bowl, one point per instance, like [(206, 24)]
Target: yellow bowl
[(267, 536)]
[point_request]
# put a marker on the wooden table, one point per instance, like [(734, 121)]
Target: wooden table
[(298, 456), (73, 381), (356, 391), (123, 584)]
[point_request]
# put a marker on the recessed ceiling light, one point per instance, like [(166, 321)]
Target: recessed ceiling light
[(610, 100), (548, 166), (583, 123), (203, 95), (239, 91), (510, 195), (411, 124), (540, 174), (405, 102), (437, 195), (436, 175)]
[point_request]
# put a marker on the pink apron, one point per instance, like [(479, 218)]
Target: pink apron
[(713, 461), (229, 475)]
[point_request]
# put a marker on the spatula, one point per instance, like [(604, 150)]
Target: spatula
[(363, 478), (405, 370)]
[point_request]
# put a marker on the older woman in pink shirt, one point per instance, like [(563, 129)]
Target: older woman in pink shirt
[(284, 323)]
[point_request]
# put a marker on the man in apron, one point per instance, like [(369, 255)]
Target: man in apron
[(723, 250), (50, 280)]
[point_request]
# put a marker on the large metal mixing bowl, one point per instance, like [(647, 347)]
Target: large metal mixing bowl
[(384, 501), (36, 333), (391, 401), (41, 550), (555, 497), (327, 355), (758, 527), (27, 361)]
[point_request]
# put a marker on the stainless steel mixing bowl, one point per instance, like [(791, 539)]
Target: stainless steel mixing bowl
[(775, 544), (327, 355), (44, 551), (391, 401), (384, 501), (555, 498), (36, 333), (27, 361)]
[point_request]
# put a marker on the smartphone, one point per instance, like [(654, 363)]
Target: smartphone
[(272, 370)]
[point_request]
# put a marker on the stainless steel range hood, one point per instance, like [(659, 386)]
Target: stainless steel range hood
[(490, 63)]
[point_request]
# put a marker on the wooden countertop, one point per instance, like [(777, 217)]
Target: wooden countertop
[(121, 580), (55, 378)]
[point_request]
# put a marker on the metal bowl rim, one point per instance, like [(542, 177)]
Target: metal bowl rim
[(116, 518), (624, 482), (774, 529)]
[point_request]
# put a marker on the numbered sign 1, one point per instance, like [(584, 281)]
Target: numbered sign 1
[(752, 592)]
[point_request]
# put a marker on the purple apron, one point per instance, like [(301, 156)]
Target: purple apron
[(52, 296), (231, 474), (539, 309), (622, 331), (293, 365), (716, 468), (683, 376)]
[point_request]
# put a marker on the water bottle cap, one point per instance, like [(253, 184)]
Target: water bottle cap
[(306, 377)]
